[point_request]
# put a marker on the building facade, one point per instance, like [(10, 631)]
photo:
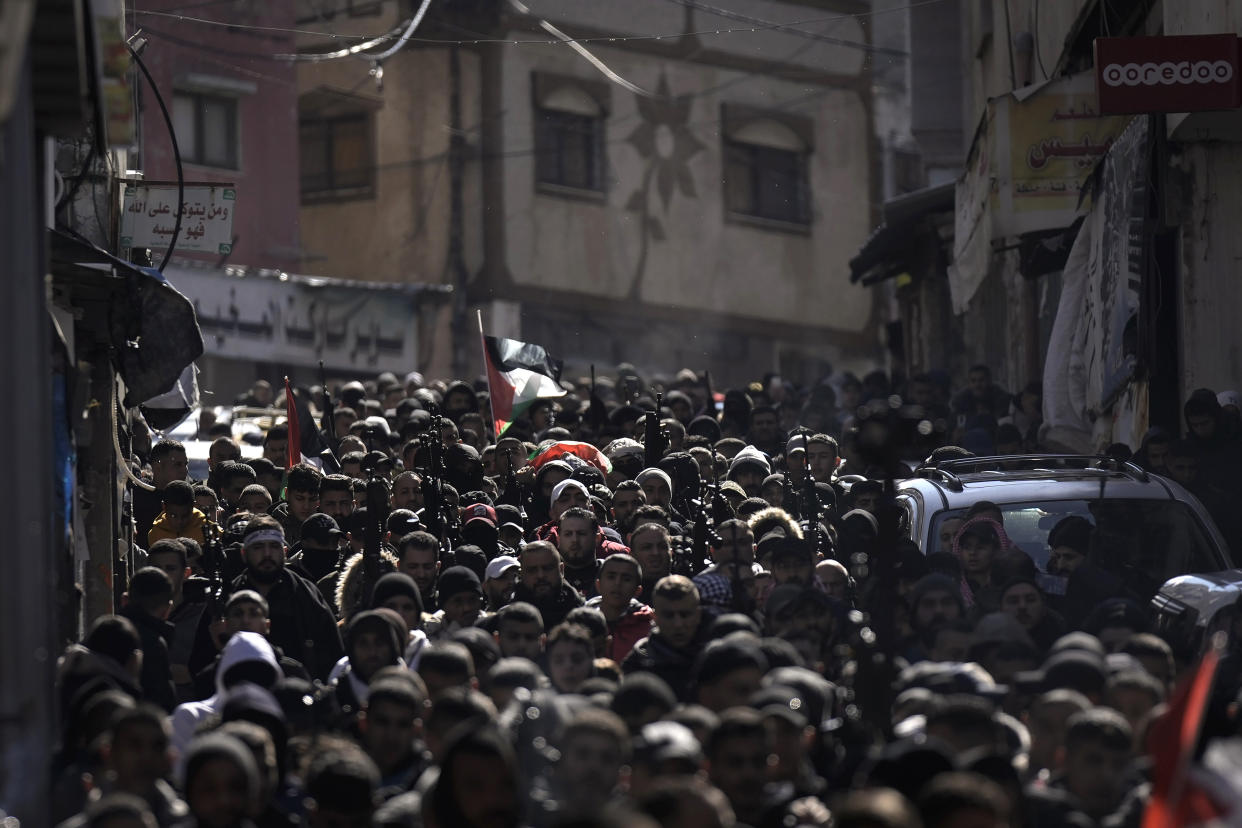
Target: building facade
[(690, 192), (1091, 250)]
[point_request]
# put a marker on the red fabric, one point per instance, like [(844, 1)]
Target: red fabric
[(500, 392), (583, 451), (1176, 800), (628, 630), (293, 455)]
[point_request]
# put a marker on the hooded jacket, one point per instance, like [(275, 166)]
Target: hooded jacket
[(349, 586), (632, 626), (242, 647)]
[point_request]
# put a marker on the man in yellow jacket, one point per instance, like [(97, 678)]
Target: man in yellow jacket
[(179, 519)]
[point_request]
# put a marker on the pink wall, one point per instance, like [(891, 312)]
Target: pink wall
[(266, 218)]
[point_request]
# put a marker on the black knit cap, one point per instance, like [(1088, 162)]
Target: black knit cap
[(394, 584), (454, 580)]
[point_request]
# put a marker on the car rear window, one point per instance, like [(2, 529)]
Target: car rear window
[(1145, 542)]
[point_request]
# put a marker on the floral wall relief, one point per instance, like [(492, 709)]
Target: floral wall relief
[(666, 145)]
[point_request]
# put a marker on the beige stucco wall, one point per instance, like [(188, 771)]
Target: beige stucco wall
[(708, 262), (399, 235)]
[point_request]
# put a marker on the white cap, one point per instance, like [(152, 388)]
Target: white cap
[(499, 566)]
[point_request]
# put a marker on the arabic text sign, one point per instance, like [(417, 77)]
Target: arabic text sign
[(1186, 73), (265, 319), (1048, 143), (149, 218)]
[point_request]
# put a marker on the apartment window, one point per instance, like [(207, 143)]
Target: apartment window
[(337, 153), (569, 134), (766, 169), (206, 127)]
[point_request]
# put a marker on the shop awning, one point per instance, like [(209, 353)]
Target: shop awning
[(151, 327), (888, 250)]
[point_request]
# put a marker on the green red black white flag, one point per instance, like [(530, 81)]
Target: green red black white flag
[(518, 375)]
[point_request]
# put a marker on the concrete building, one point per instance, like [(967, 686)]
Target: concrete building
[(230, 84), (698, 206), (235, 115), (1090, 247), (918, 126)]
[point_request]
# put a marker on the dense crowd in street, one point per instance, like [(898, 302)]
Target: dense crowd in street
[(648, 603)]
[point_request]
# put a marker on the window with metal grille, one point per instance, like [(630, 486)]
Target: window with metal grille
[(766, 182), (337, 156), (206, 127), (569, 149)]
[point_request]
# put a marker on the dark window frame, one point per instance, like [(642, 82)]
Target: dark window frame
[(334, 189), (760, 167), (554, 131), (233, 162)]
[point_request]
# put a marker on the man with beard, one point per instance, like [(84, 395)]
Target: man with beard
[(418, 555), (336, 497), (934, 600), (582, 545), (302, 624), (543, 583)]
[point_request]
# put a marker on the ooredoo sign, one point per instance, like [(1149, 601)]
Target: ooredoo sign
[(1186, 73)]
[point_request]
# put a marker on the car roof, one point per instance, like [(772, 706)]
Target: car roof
[(959, 484), (1207, 594)]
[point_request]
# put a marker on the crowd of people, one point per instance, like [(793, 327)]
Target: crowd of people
[(646, 603)]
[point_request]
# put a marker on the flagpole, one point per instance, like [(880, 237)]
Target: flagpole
[(491, 393)]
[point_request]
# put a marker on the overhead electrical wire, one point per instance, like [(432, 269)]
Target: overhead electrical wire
[(375, 40), (603, 68), (405, 36), (172, 136)]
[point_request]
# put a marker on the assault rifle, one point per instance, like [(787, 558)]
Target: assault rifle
[(327, 424), (213, 565), (376, 526), (653, 436), (440, 518), (809, 508)]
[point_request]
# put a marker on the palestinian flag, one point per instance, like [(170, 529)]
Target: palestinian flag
[(518, 375)]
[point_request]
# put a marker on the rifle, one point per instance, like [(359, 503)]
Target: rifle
[(376, 525), (213, 564), (511, 494), (327, 423), (707, 518), (653, 437), (439, 521), (809, 508)]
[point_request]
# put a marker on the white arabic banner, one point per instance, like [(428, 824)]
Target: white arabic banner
[(148, 218), (1032, 153), (299, 321), (1091, 353)]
